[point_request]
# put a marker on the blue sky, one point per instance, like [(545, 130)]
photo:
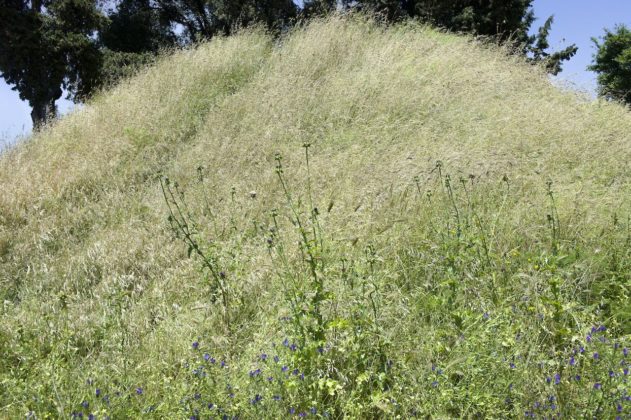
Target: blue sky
[(575, 21)]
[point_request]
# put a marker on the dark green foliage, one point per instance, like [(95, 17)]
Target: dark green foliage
[(537, 46), (612, 62), (136, 27), (48, 46), (204, 19), (275, 14)]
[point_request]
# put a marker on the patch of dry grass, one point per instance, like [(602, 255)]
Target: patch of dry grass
[(91, 280)]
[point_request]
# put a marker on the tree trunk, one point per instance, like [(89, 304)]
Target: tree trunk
[(43, 112)]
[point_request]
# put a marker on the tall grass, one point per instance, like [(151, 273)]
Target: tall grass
[(384, 221)]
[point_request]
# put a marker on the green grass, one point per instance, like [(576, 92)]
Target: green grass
[(436, 228)]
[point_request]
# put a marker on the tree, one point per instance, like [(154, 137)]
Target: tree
[(612, 63), (507, 21), (207, 18), (47, 46), (136, 26)]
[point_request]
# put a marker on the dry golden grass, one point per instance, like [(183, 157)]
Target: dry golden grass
[(88, 268)]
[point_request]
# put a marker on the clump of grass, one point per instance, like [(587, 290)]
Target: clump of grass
[(398, 286)]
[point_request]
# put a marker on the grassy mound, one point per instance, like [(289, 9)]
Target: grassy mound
[(352, 221)]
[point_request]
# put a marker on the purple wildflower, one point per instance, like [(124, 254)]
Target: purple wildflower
[(139, 391), (597, 385), (195, 345)]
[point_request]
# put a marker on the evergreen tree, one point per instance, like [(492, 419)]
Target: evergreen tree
[(612, 63), (137, 27), (47, 46)]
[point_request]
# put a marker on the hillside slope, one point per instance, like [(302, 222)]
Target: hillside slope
[(472, 228)]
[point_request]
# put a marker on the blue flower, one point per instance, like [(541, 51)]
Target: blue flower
[(313, 410), (625, 351), (611, 374), (572, 361), (85, 404), (577, 377), (302, 414), (512, 365), (284, 369), (257, 398), (292, 410), (276, 397), (195, 345), (270, 378), (435, 384), (293, 347), (597, 385), (210, 406), (139, 391), (97, 392), (276, 359), (286, 342), (557, 379), (197, 396), (206, 356), (589, 338), (263, 357), (602, 328), (295, 372), (596, 356)]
